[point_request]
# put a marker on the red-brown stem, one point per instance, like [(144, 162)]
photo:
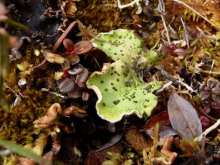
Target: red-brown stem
[(205, 114), (63, 36), (57, 44), (166, 62)]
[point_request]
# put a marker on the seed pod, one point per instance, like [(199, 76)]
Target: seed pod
[(77, 69), (82, 77), (66, 85), (73, 59)]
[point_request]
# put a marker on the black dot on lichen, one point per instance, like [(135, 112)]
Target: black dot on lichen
[(148, 88), (101, 44), (115, 89), (127, 84), (120, 37), (117, 79), (121, 50), (122, 54), (116, 102), (145, 106), (135, 101), (115, 53), (147, 100), (115, 71), (102, 82), (106, 89), (103, 104), (139, 53), (122, 66), (125, 74), (112, 83), (112, 74)]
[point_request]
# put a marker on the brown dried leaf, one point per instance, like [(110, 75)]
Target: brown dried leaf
[(50, 115), (75, 111), (162, 118), (137, 140), (53, 58), (183, 117)]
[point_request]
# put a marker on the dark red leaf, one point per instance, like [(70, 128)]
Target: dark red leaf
[(82, 47), (68, 45), (180, 52), (204, 121), (162, 118), (165, 48), (206, 109)]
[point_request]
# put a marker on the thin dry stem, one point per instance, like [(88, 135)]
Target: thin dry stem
[(206, 19)]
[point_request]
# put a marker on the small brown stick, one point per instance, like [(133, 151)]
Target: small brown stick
[(57, 44), (63, 36), (205, 114)]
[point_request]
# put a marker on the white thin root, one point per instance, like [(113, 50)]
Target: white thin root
[(165, 86), (209, 130), (185, 85), (139, 10)]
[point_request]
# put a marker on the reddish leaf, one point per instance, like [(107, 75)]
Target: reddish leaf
[(204, 120), (82, 47), (183, 117), (68, 45), (165, 48), (180, 52), (162, 118)]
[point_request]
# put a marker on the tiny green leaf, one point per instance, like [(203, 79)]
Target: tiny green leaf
[(22, 151), (121, 93)]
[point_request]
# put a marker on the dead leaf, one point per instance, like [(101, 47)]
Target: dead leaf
[(183, 117), (137, 140), (162, 118)]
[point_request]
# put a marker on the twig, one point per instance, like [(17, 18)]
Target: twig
[(209, 117), (161, 7), (178, 1), (209, 130), (185, 33), (63, 36), (205, 71), (213, 63), (165, 27), (204, 35), (173, 79)]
